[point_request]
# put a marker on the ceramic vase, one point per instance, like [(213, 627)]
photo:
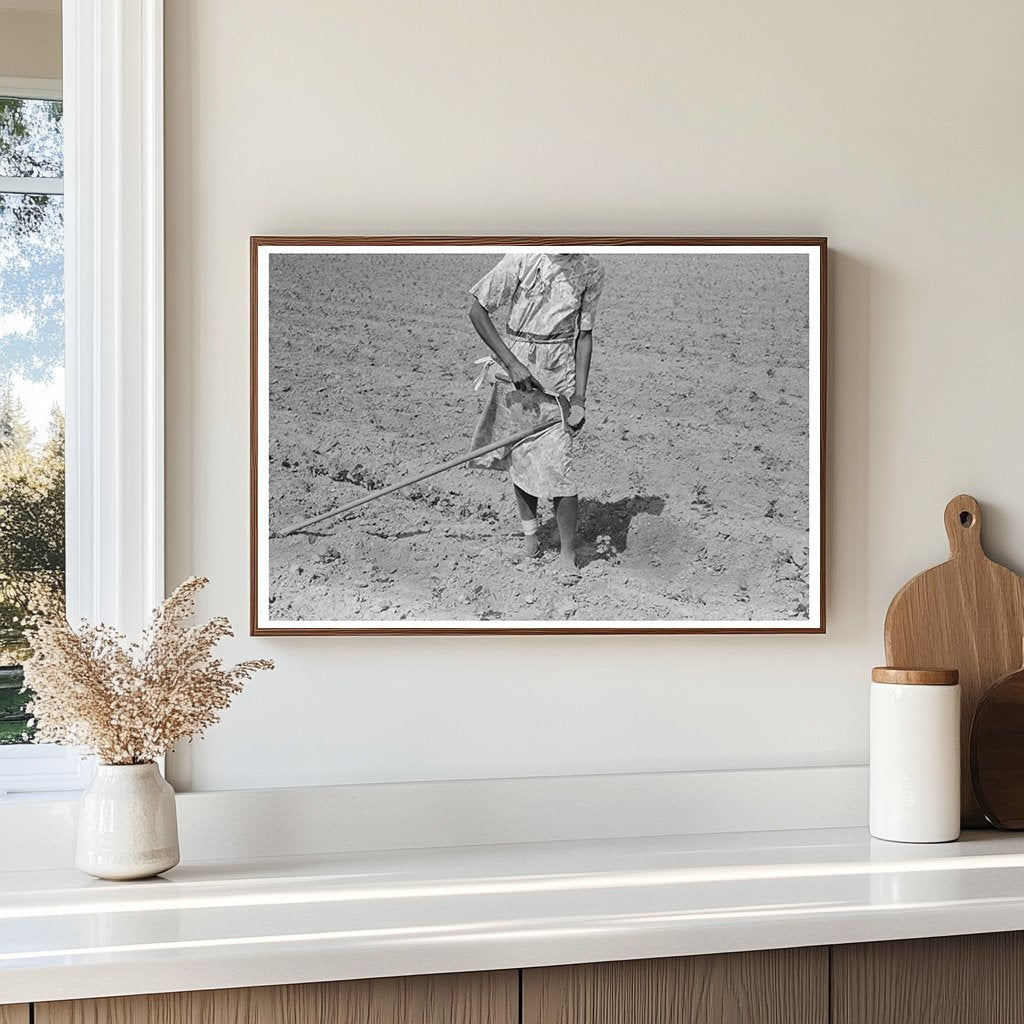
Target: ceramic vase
[(127, 825)]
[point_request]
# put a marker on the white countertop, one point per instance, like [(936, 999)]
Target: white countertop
[(226, 924)]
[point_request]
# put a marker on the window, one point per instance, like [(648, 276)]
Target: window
[(31, 383), (32, 531), (112, 212)]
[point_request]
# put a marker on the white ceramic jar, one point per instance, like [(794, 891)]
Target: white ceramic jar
[(127, 823), (915, 755)]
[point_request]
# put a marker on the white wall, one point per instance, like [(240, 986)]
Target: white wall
[(895, 129)]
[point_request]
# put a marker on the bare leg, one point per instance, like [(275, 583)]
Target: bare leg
[(566, 513), (528, 511)]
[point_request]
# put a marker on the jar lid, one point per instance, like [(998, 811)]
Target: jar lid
[(916, 676)]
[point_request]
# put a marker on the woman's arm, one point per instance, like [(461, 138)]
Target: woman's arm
[(519, 374), (578, 405), (584, 350)]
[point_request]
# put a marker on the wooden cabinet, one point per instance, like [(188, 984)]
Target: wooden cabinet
[(968, 979), (491, 998), (778, 986), (962, 979)]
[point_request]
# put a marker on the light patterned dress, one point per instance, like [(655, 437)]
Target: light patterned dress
[(551, 299)]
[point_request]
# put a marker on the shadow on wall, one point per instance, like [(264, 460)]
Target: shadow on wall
[(855, 288)]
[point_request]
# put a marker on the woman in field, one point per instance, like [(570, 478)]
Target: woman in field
[(548, 344)]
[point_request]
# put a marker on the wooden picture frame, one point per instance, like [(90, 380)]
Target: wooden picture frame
[(355, 313)]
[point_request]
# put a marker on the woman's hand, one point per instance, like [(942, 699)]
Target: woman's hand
[(577, 414), (518, 374), (521, 376)]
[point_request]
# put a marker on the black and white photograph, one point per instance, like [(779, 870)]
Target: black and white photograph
[(537, 435)]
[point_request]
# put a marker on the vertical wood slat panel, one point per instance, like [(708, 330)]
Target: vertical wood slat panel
[(777, 986), (14, 1014), (960, 979), (478, 998)]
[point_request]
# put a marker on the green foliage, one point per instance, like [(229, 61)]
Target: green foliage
[(31, 142), (31, 544), (14, 726)]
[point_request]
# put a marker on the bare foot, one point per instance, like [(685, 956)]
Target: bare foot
[(566, 569), (532, 546)]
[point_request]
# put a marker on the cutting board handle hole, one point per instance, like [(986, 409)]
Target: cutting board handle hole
[(962, 519)]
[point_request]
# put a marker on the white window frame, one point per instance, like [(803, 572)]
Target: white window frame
[(32, 88), (114, 264)]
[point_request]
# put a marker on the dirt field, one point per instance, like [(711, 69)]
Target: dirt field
[(694, 459)]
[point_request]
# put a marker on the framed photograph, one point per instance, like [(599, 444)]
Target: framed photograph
[(537, 435)]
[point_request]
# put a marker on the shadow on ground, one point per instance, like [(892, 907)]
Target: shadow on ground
[(605, 519)]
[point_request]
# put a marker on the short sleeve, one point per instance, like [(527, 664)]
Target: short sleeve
[(498, 286), (591, 297)]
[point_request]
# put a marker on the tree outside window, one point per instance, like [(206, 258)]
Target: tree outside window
[(32, 542)]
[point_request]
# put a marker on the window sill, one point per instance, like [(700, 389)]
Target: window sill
[(41, 797), (44, 770)]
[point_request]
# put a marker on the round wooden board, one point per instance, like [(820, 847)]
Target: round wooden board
[(997, 752)]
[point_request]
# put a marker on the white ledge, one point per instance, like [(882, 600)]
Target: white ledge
[(243, 824), (357, 915)]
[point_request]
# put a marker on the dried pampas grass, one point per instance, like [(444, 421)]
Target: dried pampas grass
[(130, 703)]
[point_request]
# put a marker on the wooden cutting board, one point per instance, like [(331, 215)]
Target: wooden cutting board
[(967, 614)]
